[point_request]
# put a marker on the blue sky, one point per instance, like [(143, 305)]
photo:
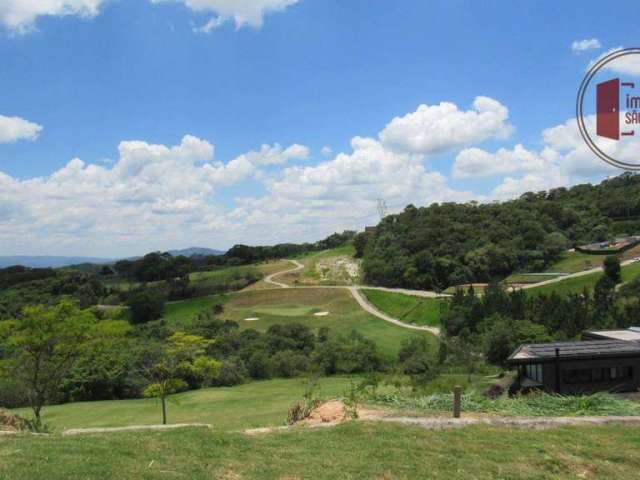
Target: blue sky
[(118, 86)]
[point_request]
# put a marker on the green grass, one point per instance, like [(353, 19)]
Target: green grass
[(355, 450), (181, 314), (576, 262), (255, 404), (578, 284), (534, 405), (409, 309), (298, 305), (524, 278), (281, 306)]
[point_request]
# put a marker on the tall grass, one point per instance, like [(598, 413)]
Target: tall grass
[(533, 405)]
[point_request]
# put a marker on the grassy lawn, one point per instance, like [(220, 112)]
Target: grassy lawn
[(354, 450), (299, 305), (409, 309), (576, 262), (181, 314), (279, 306), (255, 404)]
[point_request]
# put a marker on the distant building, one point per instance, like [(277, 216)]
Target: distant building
[(580, 367)]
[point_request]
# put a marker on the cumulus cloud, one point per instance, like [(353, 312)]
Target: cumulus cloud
[(13, 129), (586, 44), (564, 159), (153, 195), (442, 127), (241, 12), (625, 65), (477, 163), (20, 15)]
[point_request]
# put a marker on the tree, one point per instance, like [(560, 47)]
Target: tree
[(146, 305), (611, 266), (41, 348), (164, 365)]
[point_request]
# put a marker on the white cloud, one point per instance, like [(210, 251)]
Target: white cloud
[(20, 15), (564, 159), (242, 12), (152, 196), (478, 163), (625, 65), (326, 151), (13, 129), (438, 128), (586, 44)]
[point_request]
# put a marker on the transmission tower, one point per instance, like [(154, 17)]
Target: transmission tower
[(382, 208)]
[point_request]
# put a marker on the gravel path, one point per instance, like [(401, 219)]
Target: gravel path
[(520, 422)]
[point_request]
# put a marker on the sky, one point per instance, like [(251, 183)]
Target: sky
[(128, 126)]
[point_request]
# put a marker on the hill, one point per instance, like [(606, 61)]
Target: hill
[(195, 252), (452, 243), (46, 261)]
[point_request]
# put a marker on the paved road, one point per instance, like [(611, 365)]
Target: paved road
[(362, 301)]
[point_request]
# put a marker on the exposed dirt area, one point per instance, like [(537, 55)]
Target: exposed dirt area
[(341, 269), (11, 423)]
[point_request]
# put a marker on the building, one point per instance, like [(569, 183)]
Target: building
[(631, 334), (611, 365)]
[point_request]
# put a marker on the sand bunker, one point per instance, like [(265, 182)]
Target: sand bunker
[(251, 319), (321, 314)]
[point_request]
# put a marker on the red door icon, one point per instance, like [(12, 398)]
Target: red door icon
[(608, 109)]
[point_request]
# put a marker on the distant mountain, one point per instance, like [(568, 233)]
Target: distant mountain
[(49, 261), (195, 251)]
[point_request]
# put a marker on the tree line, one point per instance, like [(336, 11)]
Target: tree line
[(449, 244)]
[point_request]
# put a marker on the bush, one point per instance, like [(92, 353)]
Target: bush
[(288, 364), (233, 372)]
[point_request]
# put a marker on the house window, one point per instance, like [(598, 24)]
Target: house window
[(578, 375), (534, 372), (606, 374)]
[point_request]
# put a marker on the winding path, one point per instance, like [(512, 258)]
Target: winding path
[(362, 301), (270, 278)]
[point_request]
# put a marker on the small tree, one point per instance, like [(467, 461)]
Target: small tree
[(163, 366)]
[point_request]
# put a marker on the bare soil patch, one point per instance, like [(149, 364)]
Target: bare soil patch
[(10, 422)]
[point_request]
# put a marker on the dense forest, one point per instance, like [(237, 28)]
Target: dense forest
[(451, 243)]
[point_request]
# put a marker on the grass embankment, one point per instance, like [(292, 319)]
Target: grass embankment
[(351, 451), (255, 404), (407, 308), (578, 284)]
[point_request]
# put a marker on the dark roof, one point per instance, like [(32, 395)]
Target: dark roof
[(587, 349)]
